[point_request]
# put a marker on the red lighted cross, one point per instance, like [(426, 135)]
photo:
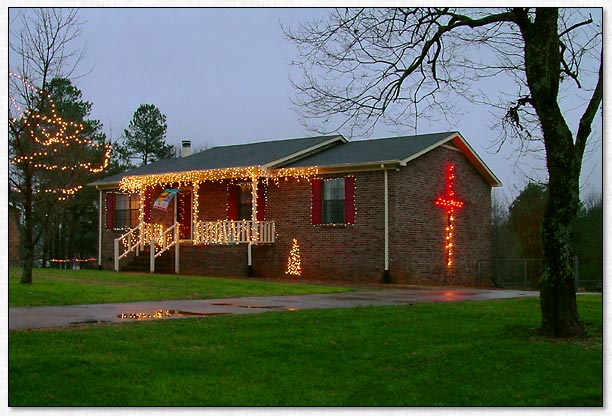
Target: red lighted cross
[(450, 203)]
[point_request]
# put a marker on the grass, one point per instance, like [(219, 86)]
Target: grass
[(483, 353), (75, 287)]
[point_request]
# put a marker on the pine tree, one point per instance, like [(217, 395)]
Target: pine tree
[(145, 137), (53, 154)]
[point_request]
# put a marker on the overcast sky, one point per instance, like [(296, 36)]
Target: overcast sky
[(221, 76)]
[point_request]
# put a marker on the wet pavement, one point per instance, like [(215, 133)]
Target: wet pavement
[(65, 316)]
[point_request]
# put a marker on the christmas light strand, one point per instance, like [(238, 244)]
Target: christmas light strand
[(450, 203), (294, 263), (50, 131), (132, 184)]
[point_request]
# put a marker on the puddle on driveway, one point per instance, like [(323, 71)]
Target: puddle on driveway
[(165, 313), (254, 306), (88, 321)]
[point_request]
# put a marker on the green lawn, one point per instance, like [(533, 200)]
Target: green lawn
[(481, 353), (75, 287)]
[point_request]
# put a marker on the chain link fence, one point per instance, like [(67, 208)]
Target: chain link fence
[(524, 274)]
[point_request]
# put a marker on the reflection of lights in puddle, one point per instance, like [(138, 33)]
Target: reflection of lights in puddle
[(161, 313)]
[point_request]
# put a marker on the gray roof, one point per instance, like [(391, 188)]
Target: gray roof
[(373, 150), (233, 156), (321, 151)]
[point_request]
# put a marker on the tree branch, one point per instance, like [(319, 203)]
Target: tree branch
[(584, 127)]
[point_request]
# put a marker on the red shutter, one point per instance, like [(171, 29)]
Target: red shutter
[(147, 206), (261, 201), (317, 201), (232, 202), (349, 200), (110, 211)]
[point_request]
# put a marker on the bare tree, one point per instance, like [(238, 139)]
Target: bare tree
[(46, 151), (362, 66)]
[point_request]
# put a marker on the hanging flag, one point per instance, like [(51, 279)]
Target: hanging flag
[(163, 200)]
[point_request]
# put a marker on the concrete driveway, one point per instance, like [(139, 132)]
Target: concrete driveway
[(65, 316)]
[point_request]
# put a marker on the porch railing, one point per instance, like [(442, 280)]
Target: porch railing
[(163, 242), (130, 241), (137, 238), (234, 232)]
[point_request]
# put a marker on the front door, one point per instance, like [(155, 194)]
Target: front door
[(183, 214)]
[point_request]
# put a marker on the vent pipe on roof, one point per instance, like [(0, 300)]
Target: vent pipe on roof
[(185, 148)]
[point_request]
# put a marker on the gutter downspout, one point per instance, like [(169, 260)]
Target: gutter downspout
[(386, 278), (100, 230)]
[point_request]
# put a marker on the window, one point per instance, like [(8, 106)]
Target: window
[(245, 201), (126, 211), (240, 201), (333, 201)]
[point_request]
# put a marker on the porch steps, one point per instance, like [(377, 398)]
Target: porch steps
[(163, 264)]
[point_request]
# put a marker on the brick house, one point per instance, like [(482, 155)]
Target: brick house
[(412, 210)]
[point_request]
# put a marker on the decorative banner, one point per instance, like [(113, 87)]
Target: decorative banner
[(163, 200)]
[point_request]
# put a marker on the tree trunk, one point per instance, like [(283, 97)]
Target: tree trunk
[(557, 291), (28, 233), (563, 159)]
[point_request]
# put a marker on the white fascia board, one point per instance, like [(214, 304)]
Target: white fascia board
[(305, 152), (104, 186), (359, 167), (478, 163)]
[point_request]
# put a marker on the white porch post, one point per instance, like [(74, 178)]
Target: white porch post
[(254, 181), (254, 225), (195, 210), (100, 225), (176, 248), (141, 214)]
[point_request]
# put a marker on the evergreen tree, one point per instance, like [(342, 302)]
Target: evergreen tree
[(145, 137), (53, 155), (72, 230), (588, 241)]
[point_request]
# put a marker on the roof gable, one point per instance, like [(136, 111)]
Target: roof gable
[(399, 150), (373, 150)]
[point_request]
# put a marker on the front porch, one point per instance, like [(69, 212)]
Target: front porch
[(155, 240), (223, 207)]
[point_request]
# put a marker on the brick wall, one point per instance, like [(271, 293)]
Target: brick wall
[(418, 227), (345, 252)]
